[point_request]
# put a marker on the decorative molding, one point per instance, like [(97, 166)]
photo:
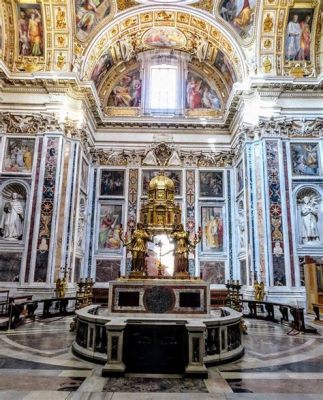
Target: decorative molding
[(162, 155), (28, 123)]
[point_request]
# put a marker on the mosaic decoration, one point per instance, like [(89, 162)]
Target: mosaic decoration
[(259, 210), (127, 91), (33, 209), (289, 216), (161, 37), (190, 200), (213, 272), (89, 14), (275, 210), (211, 184), (46, 207), (19, 154), (305, 158), (240, 15), (250, 207), (175, 176), (298, 34), (109, 228), (199, 94), (107, 270), (30, 30), (112, 183), (10, 267), (212, 229), (132, 198)]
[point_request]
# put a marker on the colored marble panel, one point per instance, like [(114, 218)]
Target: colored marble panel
[(243, 272), (107, 270), (46, 207), (10, 267), (275, 212), (213, 272), (132, 198), (190, 200)]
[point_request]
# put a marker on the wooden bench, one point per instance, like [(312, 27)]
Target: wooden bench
[(317, 308)]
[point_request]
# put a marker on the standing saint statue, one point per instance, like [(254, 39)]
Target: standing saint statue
[(12, 220), (183, 245), (138, 247), (309, 213)]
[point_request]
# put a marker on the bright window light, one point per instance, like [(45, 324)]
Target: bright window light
[(163, 87)]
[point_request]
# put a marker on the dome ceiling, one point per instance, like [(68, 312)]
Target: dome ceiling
[(227, 40)]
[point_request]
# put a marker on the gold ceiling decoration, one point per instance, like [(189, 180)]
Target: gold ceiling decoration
[(133, 29)]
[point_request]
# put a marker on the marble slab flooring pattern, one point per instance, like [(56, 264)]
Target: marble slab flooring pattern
[(36, 363)]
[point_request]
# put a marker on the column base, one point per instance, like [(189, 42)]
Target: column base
[(114, 370)]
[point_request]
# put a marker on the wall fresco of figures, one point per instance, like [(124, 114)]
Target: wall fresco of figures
[(175, 175), (30, 30), (222, 63), (127, 91), (240, 14), (103, 65), (298, 35), (19, 155), (112, 183), (89, 14), (212, 221), (110, 221), (199, 94), (305, 158)]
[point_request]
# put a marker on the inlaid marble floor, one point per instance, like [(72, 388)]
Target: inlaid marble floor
[(36, 363)]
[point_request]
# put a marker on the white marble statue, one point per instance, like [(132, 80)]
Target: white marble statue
[(126, 49), (241, 226), (309, 213), (12, 219), (201, 49)]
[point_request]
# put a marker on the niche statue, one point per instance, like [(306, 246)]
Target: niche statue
[(12, 220), (138, 247), (309, 213)]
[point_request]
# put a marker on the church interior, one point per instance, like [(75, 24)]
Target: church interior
[(161, 199)]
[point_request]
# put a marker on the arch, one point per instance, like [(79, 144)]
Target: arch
[(195, 24)]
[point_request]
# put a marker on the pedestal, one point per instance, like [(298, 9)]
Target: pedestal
[(115, 334), (196, 349)]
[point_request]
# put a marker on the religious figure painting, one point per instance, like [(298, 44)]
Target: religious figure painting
[(127, 91), (298, 34), (88, 14), (211, 184), (240, 14), (213, 272), (110, 221), (112, 183), (223, 65), (161, 37), (30, 30), (103, 65), (174, 175), (212, 223), (107, 270), (199, 94), (305, 158), (19, 154)]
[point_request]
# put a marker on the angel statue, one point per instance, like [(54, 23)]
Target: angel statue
[(138, 247), (309, 213), (183, 245)]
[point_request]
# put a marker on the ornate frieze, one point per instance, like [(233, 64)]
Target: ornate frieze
[(27, 123), (162, 155)]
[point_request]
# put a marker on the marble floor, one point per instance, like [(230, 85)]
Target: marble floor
[(36, 363)]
